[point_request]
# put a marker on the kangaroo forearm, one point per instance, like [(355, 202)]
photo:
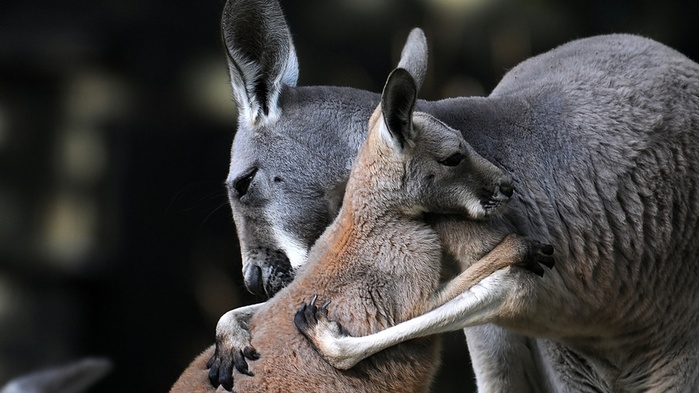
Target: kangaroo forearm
[(508, 252), (236, 319), (476, 306)]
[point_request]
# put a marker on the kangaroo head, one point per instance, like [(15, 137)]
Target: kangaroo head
[(429, 164), (285, 183)]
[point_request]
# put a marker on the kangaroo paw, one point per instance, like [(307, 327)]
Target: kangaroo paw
[(538, 254), (233, 350), (222, 363), (309, 317), (325, 336)]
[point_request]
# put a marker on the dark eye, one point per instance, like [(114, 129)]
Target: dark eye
[(453, 160), (242, 184)]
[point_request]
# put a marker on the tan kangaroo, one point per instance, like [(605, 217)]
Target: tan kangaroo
[(379, 259)]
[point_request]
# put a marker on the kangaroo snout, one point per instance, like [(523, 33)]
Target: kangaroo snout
[(266, 271), (253, 279), (496, 198)]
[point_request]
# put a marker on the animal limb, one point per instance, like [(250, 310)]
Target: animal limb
[(512, 250), (233, 347), (472, 298)]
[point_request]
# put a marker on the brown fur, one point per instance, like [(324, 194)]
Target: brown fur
[(195, 378)]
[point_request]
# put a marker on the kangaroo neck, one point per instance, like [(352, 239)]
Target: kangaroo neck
[(352, 233), (362, 219)]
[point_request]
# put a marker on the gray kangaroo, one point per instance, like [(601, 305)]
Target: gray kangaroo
[(379, 260), (600, 138)]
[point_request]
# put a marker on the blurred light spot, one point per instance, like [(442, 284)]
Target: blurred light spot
[(510, 44), (95, 96), (458, 6), (368, 6), (462, 86), (69, 229), (11, 213), (207, 89), (82, 154)]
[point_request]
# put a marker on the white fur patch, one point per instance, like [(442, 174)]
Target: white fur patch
[(473, 206), (387, 136), (293, 248), (249, 109)]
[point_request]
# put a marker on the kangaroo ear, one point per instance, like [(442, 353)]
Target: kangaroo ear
[(397, 104), (261, 57), (414, 56)]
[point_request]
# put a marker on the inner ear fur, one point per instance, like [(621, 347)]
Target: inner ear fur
[(261, 57)]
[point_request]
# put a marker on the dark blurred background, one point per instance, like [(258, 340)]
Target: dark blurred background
[(115, 127)]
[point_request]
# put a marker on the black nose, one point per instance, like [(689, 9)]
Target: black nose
[(507, 189), (253, 280)]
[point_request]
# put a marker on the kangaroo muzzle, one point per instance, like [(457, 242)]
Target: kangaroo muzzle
[(266, 271)]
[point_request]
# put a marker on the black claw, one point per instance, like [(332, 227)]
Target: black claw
[(227, 382), (221, 367), (540, 254), (547, 249), (535, 268), (251, 353), (213, 358), (213, 371), (241, 364), (225, 374), (324, 307), (301, 319), (310, 313), (549, 262), (307, 315)]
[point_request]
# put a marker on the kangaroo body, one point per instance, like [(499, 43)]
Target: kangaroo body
[(379, 261), (600, 137)]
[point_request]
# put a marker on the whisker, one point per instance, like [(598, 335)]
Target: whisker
[(216, 209), (183, 198), (208, 198)]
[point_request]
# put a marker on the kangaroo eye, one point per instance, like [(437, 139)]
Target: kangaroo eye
[(242, 184), (453, 160)]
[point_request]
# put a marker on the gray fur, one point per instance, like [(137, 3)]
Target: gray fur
[(413, 57), (600, 138)]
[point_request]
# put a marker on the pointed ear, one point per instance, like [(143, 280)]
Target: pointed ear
[(261, 57), (414, 56), (397, 105)]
